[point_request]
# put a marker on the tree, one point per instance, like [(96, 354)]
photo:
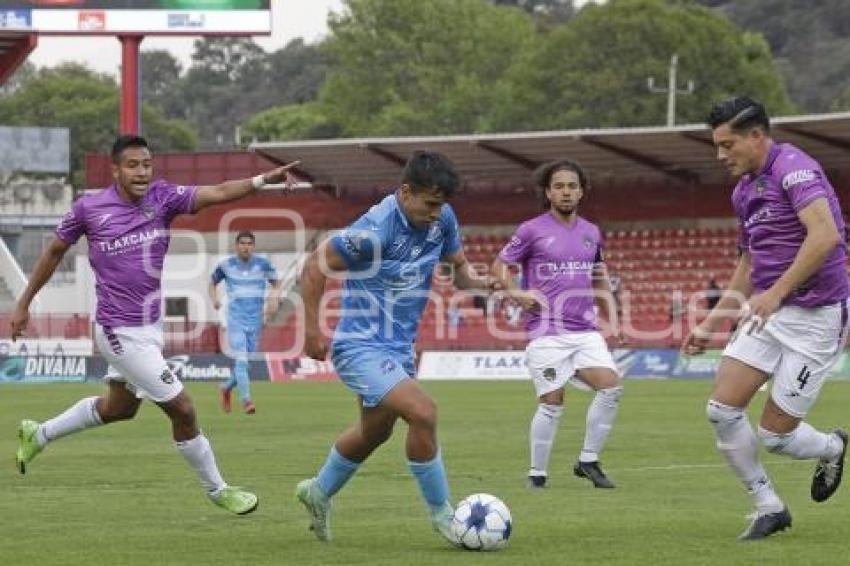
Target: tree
[(593, 71), (21, 75), (217, 91), (160, 81), (841, 103), (87, 103), (808, 39), (293, 122), (419, 66), (548, 12)]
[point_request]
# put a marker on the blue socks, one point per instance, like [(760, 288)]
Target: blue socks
[(335, 473), (243, 382), (431, 477)]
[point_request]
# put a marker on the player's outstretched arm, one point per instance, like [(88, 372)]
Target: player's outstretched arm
[(324, 261), (227, 191), (44, 268)]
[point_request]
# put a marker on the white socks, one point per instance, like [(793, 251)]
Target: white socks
[(802, 443), (78, 417), (199, 454), (737, 442), (544, 425), (600, 419)]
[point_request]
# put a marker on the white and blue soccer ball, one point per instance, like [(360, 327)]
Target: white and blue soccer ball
[(482, 522)]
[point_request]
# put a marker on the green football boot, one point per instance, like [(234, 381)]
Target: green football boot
[(28, 446), (318, 506), (236, 500)]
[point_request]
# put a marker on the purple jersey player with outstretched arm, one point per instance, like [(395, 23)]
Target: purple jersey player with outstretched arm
[(791, 289), (127, 228), (563, 280)]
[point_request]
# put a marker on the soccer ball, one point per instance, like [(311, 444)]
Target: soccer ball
[(482, 522)]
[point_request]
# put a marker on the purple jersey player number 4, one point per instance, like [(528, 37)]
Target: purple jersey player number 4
[(790, 291)]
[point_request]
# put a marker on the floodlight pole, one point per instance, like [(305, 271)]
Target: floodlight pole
[(671, 91), (130, 83)]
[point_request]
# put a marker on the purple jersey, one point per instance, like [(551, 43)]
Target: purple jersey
[(558, 261), (767, 205), (127, 246)]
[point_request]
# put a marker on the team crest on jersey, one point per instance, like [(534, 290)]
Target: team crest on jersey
[(435, 233), (387, 366), (587, 241), (148, 211), (415, 251), (549, 374), (761, 185)]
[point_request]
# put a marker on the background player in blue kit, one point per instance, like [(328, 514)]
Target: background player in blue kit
[(390, 254), (246, 277)]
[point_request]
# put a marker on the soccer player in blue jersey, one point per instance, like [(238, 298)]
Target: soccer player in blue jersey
[(246, 277), (389, 255)]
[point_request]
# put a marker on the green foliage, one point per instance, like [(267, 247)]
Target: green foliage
[(593, 71), (87, 103), (809, 41), (405, 67), (292, 122), (841, 103)]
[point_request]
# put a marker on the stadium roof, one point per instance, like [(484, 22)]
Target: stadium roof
[(684, 153)]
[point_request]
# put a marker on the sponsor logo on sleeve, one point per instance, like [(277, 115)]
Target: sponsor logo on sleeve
[(797, 177)]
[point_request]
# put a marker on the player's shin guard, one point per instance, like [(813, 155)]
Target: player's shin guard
[(335, 473), (431, 477), (737, 442), (544, 425), (198, 452), (78, 417), (600, 419), (802, 443)]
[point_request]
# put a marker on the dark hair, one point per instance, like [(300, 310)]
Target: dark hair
[(125, 141), (430, 170), (245, 234), (742, 113), (543, 176)]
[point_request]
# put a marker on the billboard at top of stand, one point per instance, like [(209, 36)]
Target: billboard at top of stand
[(148, 17)]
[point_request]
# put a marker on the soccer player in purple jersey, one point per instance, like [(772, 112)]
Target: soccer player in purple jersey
[(126, 226), (559, 254), (791, 289)]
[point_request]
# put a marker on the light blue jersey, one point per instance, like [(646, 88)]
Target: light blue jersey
[(390, 263), (245, 282)]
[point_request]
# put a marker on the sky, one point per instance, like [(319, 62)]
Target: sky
[(292, 18)]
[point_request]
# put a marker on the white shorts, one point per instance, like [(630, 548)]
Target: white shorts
[(798, 346), (554, 360), (134, 354)]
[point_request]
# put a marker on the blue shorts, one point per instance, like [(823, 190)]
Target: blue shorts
[(372, 372)]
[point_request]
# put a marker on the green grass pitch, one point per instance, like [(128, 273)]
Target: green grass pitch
[(122, 495)]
